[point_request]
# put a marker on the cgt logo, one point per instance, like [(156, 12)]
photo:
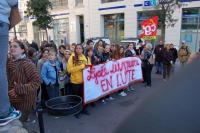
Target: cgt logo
[(149, 29)]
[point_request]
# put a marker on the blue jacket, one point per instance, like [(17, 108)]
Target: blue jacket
[(48, 72), (5, 7)]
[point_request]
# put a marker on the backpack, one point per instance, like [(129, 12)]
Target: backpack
[(184, 51)]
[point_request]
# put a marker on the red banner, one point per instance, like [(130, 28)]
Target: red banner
[(149, 28)]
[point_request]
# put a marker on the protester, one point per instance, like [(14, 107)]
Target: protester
[(72, 47), (7, 113), (63, 74), (112, 47), (159, 49), (34, 45), (130, 53), (99, 49), (61, 50), (42, 60), (122, 52), (147, 55), (24, 80), (89, 45), (131, 47), (76, 63), (121, 55), (90, 56), (67, 47), (167, 62), (175, 55), (184, 53), (53, 45), (106, 54), (115, 55), (49, 73), (32, 55)]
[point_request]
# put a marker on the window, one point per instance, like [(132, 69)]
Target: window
[(107, 1), (190, 18), (59, 3), (78, 3), (190, 28), (22, 29), (61, 31), (114, 26)]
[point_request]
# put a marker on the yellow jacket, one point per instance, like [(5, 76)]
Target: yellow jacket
[(76, 70)]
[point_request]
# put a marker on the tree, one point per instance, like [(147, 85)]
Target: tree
[(39, 9), (167, 8)]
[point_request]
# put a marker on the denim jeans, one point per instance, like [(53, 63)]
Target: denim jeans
[(53, 91), (159, 67), (4, 99)]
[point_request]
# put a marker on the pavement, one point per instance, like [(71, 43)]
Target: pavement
[(13, 127), (103, 117)]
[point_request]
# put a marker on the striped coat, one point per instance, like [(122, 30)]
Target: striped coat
[(24, 77)]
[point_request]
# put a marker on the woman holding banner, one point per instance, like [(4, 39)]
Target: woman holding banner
[(76, 64)]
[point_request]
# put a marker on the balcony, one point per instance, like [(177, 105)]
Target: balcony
[(56, 4)]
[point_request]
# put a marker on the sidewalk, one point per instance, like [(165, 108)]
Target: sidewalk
[(13, 127)]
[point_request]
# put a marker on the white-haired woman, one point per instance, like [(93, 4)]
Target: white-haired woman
[(147, 57)]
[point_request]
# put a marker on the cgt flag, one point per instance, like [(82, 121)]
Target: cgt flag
[(149, 28)]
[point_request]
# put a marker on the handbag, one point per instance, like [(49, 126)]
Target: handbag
[(15, 17), (152, 59)]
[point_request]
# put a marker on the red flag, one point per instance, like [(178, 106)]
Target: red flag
[(149, 28)]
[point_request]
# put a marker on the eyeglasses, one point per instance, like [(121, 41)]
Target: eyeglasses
[(13, 46)]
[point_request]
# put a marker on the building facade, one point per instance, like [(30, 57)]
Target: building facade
[(78, 20)]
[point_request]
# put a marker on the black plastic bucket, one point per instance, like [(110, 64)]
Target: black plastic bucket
[(64, 105)]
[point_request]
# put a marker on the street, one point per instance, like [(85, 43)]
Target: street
[(103, 117)]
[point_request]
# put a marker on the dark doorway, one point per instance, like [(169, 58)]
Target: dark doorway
[(82, 36)]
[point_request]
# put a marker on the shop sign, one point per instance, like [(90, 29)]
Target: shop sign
[(150, 3)]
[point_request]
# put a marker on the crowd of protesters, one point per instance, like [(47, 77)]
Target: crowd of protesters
[(48, 72)]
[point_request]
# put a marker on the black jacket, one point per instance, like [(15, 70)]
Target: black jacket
[(159, 53), (167, 56), (174, 54)]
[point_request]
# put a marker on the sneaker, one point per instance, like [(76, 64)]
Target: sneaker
[(14, 115), (103, 101), (123, 94), (130, 88), (111, 98)]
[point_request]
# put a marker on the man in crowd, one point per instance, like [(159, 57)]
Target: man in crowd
[(174, 54), (159, 50), (184, 53)]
